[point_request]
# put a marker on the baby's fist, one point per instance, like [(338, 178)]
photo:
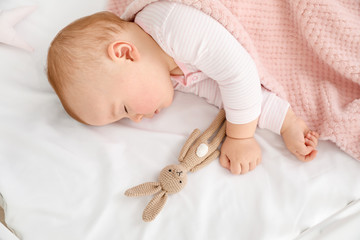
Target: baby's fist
[(240, 155)]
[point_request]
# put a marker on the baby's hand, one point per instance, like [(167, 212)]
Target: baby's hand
[(298, 138), (240, 155)]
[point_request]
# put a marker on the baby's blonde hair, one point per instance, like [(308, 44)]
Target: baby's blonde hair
[(80, 47)]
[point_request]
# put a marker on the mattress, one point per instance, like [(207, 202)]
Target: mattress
[(63, 180)]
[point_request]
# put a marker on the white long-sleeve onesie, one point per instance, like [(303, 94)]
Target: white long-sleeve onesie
[(215, 65)]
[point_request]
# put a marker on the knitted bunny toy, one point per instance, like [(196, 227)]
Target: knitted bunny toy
[(197, 152)]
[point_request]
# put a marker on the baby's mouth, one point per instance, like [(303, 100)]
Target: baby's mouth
[(157, 111)]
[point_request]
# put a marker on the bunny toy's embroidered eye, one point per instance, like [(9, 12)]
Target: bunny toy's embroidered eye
[(169, 170), (180, 181)]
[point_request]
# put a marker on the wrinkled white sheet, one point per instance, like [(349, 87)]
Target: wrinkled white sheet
[(63, 180)]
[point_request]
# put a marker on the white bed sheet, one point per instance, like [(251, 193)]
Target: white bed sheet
[(63, 180)]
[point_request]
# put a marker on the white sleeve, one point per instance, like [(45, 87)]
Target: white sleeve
[(273, 111), (190, 36)]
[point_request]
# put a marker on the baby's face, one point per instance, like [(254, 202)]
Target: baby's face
[(139, 93)]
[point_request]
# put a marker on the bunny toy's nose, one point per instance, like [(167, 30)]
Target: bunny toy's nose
[(179, 173)]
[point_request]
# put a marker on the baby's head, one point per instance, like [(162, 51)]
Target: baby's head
[(104, 69)]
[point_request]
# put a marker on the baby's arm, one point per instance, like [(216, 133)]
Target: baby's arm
[(240, 151), (215, 52), (277, 116), (241, 154), (191, 36)]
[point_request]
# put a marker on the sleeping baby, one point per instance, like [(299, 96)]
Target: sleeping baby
[(104, 69)]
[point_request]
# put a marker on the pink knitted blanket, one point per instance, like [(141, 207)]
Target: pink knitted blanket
[(306, 51)]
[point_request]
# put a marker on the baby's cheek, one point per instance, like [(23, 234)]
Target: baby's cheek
[(145, 105)]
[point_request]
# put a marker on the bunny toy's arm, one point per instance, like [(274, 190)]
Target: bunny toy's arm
[(197, 137), (194, 135), (210, 147), (207, 161)]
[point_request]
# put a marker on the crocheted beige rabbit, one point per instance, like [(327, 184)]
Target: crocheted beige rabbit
[(197, 152)]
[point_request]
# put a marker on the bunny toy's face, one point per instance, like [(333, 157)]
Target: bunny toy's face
[(173, 178)]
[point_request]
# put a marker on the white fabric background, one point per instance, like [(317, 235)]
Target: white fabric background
[(63, 180)]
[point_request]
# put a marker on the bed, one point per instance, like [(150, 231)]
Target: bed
[(60, 179)]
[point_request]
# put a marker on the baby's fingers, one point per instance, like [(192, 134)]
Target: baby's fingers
[(253, 165), (315, 134), (304, 151), (235, 168), (311, 139), (245, 167), (310, 156), (224, 161)]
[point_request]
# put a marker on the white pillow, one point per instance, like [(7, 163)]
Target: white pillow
[(8, 18)]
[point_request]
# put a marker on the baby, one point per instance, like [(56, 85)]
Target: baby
[(104, 69)]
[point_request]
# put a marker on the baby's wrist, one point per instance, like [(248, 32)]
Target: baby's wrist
[(289, 118), (239, 138), (241, 131)]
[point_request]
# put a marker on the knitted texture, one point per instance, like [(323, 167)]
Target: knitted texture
[(188, 156), (306, 51), (173, 178)]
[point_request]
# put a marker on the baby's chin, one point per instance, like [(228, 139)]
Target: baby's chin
[(102, 123)]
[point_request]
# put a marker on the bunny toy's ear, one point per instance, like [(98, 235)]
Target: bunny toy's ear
[(154, 206), (144, 189)]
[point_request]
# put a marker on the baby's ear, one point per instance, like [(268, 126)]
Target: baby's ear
[(120, 50), (144, 189)]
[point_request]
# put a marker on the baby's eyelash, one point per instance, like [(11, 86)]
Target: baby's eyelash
[(125, 109)]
